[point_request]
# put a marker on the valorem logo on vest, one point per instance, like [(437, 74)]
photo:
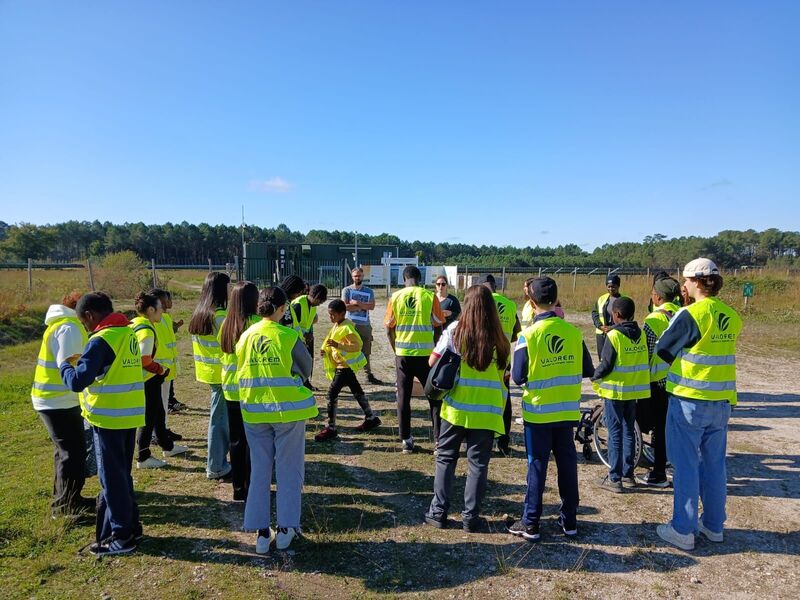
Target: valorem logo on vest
[(501, 308), (134, 345), (723, 322), (263, 352), (555, 345), (409, 306)]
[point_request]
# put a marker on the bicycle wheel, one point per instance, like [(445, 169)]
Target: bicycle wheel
[(601, 439)]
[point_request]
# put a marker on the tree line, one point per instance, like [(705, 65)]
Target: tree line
[(187, 243)]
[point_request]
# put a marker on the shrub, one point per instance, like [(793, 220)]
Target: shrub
[(122, 275)]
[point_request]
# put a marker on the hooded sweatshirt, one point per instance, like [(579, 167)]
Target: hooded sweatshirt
[(66, 342), (608, 357)]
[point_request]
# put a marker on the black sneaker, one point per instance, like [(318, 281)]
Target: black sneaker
[(476, 525), (138, 532), (653, 479), (175, 437), (175, 406), (112, 546), (373, 380), (439, 523), (569, 530), (504, 449), (528, 532)]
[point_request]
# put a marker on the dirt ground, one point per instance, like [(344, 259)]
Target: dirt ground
[(617, 552)]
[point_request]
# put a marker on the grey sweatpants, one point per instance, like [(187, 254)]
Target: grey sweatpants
[(283, 444), (365, 331), (479, 451)]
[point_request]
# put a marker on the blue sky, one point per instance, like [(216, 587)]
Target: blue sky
[(506, 122)]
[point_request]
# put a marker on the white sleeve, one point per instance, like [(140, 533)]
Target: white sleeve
[(446, 341), (146, 345), (67, 342)]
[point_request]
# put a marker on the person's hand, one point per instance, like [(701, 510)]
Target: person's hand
[(322, 351), (605, 328), (447, 313), (179, 323), (332, 344)]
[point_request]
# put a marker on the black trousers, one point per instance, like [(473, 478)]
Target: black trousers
[(600, 338), (240, 451), (409, 367), (651, 414), (154, 420), (504, 440), (65, 426), (346, 378)]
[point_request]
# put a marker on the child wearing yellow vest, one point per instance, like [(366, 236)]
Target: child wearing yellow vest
[(342, 357), (621, 378)]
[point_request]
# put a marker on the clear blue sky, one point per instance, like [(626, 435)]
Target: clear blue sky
[(479, 122)]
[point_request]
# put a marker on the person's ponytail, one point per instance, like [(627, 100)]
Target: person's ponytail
[(270, 300)]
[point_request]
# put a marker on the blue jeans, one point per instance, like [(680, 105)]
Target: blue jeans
[(219, 436), (117, 511), (697, 437), (280, 447), (620, 416), (540, 440)]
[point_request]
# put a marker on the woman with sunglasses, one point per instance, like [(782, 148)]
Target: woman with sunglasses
[(449, 303)]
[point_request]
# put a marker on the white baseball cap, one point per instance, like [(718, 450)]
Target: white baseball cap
[(700, 267)]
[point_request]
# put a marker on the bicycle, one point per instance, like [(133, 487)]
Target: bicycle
[(592, 433)]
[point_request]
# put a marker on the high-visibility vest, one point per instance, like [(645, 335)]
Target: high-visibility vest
[(144, 329), (658, 320), (528, 314), (707, 370), (555, 365), (47, 383), (507, 311), (307, 314), (116, 399), (205, 348), (355, 360), (230, 385), (477, 400), (167, 340), (601, 302), (412, 308), (268, 391), (630, 378)]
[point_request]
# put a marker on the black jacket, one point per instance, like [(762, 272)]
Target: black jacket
[(608, 357)]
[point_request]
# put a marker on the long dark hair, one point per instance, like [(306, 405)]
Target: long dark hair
[(270, 300), (479, 335), (214, 295), (243, 304)]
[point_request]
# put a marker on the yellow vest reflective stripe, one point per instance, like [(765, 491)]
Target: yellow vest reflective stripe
[(601, 302), (630, 378), (230, 385), (555, 366), (355, 360), (527, 315), (658, 320), (412, 308), (707, 370), (205, 348), (47, 382), (167, 341), (116, 400), (507, 311), (144, 328), (307, 314), (477, 400), (268, 391)]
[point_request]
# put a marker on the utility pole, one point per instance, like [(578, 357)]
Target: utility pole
[(355, 254), (242, 229)]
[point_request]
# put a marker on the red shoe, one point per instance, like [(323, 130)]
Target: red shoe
[(369, 424), (326, 434)]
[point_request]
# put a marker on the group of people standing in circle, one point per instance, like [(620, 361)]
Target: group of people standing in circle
[(254, 349)]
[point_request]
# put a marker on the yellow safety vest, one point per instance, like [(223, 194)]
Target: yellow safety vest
[(116, 399), (630, 378), (307, 314), (166, 336), (507, 311), (412, 308), (477, 400), (707, 370), (601, 302), (268, 391), (47, 383), (144, 329), (230, 385), (658, 320), (355, 360), (205, 348), (528, 315), (555, 366)]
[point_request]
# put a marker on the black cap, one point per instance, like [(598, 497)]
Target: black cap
[(543, 290), (613, 279)]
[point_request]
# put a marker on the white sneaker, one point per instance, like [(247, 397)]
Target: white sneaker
[(710, 535), (151, 463), (176, 449), (668, 534), (408, 446), (284, 536), (263, 543)]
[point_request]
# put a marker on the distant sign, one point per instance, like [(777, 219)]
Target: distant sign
[(747, 290)]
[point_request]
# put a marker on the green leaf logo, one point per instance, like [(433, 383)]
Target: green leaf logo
[(723, 321), (134, 346), (411, 303), (261, 345), (501, 308), (555, 344)]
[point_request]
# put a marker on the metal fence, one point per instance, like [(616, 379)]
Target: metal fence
[(333, 274)]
